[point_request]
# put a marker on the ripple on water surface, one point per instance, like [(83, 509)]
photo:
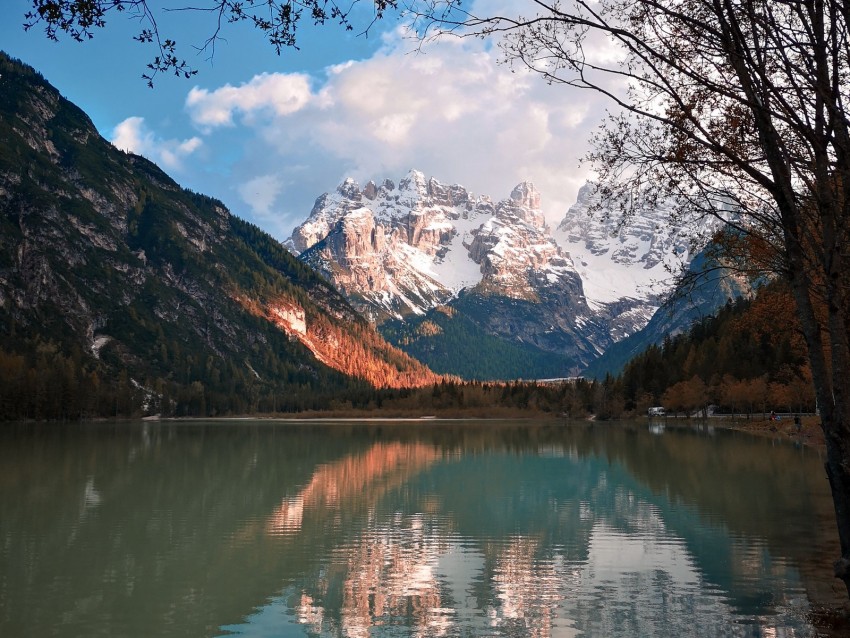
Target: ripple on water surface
[(512, 531), (410, 574)]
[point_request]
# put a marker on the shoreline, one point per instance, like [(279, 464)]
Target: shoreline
[(810, 433)]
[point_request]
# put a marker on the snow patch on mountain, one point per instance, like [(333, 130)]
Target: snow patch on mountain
[(636, 260), (453, 267)]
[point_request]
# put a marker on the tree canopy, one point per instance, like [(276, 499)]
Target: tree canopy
[(278, 20)]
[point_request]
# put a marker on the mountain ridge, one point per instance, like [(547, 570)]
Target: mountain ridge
[(106, 257), (399, 253)]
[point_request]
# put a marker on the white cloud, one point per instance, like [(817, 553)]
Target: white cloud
[(128, 135), (452, 112), (279, 94), (260, 193), (133, 135)]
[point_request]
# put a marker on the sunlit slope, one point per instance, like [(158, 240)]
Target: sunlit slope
[(108, 267)]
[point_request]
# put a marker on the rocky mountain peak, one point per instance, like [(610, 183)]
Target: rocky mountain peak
[(523, 207), (625, 267), (401, 252), (413, 187), (526, 195), (350, 189), (370, 191), (427, 245)]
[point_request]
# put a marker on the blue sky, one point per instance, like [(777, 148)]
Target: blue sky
[(267, 134)]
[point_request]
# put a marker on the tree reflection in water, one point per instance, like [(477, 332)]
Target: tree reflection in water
[(560, 539), (512, 529)]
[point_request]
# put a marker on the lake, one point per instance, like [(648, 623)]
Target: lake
[(430, 528)]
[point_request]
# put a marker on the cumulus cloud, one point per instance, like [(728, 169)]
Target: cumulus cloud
[(129, 136), (133, 135), (452, 112), (279, 94), (260, 193)]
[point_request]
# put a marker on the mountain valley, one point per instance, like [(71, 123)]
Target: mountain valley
[(121, 292), (116, 280), (447, 275)]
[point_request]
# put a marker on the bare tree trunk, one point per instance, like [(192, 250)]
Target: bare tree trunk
[(834, 417), (837, 436), (837, 429)]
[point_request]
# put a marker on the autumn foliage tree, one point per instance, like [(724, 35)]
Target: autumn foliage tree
[(687, 396), (734, 109)]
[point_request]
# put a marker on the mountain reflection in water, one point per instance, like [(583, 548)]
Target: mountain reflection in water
[(261, 529)]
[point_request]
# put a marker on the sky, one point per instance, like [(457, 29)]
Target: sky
[(268, 134)]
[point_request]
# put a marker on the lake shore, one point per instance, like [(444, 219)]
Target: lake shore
[(810, 432)]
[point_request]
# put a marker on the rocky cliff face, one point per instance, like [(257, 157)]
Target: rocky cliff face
[(404, 250), (517, 256), (710, 288), (393, 250), (627, 268)]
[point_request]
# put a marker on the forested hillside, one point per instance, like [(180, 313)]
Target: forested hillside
[(450, 339), (123, 294), (749, 358)]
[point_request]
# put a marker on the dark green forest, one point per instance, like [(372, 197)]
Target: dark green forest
[(454, 343), (747, 359)]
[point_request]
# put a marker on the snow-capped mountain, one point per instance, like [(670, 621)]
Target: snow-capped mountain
[(393, 250), (403, 250), (401, 253), (626, 268)]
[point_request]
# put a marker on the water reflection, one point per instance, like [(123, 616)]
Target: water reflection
[(370, 530), (369, 475), (612, 570)]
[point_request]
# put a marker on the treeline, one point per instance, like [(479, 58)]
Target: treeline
[(749, 358), (50, 378), (50, 385), (47, 384), (579, 398)]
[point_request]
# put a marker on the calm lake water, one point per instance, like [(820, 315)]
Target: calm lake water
[(266, 529)]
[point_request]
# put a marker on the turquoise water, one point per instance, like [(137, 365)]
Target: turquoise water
[(264, 529)]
